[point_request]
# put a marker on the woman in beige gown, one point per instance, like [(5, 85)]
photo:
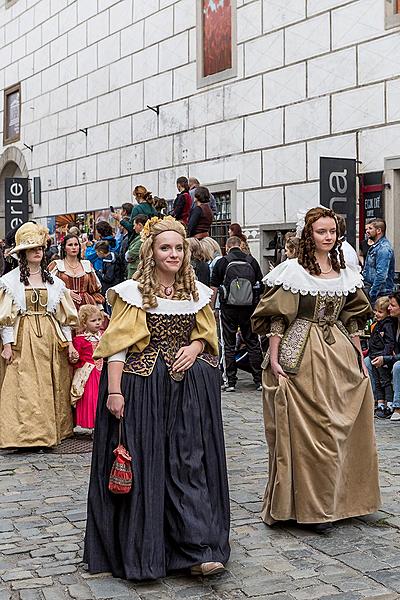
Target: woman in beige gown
[(318, 402), (35, 318)]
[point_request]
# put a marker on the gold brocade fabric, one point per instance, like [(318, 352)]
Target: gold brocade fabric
[(34, 398), (319, 421), (168, 333)]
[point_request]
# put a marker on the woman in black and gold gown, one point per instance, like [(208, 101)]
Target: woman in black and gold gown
[(162, 377)]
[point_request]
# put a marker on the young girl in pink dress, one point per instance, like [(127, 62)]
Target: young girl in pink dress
[(87, 370)]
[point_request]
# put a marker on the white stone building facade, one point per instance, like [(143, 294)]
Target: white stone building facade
[(313, 78)]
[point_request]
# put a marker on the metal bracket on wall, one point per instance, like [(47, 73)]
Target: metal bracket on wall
[(29, 147), (84, 130), (155, 109)]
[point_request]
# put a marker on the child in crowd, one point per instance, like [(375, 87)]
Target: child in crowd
[(381, 343), (87, 370), (132, 256), (111, 271)]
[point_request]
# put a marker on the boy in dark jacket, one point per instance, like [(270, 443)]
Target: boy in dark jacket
[(381, 343), (111, 270)]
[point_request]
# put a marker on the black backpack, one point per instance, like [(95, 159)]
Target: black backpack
[(238, 286)]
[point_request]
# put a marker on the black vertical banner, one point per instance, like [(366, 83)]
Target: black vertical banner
[(338, 190), (16, 196)]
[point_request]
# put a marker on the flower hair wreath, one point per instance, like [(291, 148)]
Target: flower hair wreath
[(148, 227)]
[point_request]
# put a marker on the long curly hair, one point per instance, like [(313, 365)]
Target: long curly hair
[(306, 253), (25, 272), (149, 286)]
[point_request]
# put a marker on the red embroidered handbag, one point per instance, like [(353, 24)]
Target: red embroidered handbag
[(121, 476)]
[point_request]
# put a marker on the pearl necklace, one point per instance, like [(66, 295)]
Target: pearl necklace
[(326, 272), (71, 267), (34, 272)]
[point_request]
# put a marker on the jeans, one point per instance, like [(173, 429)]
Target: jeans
[(395, 381)]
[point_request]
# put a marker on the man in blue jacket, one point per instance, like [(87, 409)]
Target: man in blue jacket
[(378, 270)]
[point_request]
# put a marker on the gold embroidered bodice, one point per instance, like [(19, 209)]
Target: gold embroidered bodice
[(168, 333)]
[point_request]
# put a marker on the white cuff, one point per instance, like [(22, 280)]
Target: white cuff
[(66, 329), (118, 357), (7, 335)]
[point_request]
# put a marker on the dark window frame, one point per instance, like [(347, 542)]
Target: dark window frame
[(7, 92), (392, 14)]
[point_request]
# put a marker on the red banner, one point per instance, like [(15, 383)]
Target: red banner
[(217, 36)]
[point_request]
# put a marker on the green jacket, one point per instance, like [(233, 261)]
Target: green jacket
[(144, 208), (134, 255)]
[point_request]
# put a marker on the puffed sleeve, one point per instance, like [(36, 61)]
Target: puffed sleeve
[(94, 287), (127, 329), (205, 330), (356, 312), (66, 315), (275, 311), (8, 316)]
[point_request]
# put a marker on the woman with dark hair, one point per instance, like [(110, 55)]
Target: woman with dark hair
[(36, 314), (392, 361), (78, 275), (183, 201), (201, 216), (236, 231), (318, 401)]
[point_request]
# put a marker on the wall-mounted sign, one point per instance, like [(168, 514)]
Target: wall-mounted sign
[(371, 198), (338, 190), (12, 114), (16, 197)]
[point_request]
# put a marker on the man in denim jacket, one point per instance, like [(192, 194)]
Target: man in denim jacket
[(378, 270)]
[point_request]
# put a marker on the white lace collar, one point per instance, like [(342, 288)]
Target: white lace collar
[(294, 278), (128, 291), (86, 265), (16, 289)]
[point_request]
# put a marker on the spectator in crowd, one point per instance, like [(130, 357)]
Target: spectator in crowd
[(381, 343), (378, 269), (212, 251), (391, 360), (236, 231), (199, 261), (350, 255), (195, 183), (160, 204), (201, 216), (365, 245), (238, 278), (104, 230), (110, 272), (182, 202), (125, 213), (133, 253), (291, 245), (144, 206)]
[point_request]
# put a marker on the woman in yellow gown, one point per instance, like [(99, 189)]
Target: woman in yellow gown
[(318, 402), (36, 313)]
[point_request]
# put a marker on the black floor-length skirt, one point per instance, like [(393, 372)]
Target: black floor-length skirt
[(177, 514)]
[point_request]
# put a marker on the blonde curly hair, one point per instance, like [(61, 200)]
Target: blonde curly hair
[(149, 287)]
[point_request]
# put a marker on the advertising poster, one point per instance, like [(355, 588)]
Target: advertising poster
[(217, 36)]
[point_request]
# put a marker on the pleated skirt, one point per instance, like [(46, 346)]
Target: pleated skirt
[(177, 514)]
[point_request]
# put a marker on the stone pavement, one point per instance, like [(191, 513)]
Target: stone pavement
[(42, 520)]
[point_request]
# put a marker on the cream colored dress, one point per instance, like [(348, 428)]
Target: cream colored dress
[(318, 422), (35, 405)]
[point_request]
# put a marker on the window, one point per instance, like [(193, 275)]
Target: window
[(222, 220), (12, 114), (392, 13), (216, 41)]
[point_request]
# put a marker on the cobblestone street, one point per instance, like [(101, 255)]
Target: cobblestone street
[(42, 510)]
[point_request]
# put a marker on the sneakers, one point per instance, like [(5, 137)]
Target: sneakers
[(383, 412), (230, 388), (395, 417), (259, 387)]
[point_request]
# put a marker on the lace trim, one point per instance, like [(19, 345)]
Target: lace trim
[(86, 265), (16, 289), (294, 278), (128, 291), (277, 327)]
